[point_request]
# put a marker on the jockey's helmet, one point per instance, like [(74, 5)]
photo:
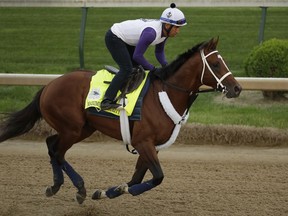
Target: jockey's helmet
[(173, 16)]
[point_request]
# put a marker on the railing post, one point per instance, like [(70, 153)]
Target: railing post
[(82, 34), (262, 24)]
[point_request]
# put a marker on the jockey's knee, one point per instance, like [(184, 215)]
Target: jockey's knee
[(125, 70)]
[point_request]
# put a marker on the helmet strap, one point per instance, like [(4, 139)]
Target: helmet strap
[(167, 30)]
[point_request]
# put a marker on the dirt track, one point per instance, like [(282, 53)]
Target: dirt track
[(199, 180)]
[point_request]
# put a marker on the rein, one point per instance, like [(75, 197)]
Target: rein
[(176, 87), (191, 92)]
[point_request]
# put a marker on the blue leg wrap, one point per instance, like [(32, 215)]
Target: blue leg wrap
[(113, 192), (73, 175), (141, 188), (57, 172)]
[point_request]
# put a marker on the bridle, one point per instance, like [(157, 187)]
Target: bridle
[(220, 87)]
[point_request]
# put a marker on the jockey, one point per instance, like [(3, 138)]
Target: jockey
[(127, 42)]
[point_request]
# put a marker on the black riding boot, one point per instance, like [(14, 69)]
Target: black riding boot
[(108, 104)]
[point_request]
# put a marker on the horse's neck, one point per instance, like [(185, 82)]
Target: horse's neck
[(187, 78)]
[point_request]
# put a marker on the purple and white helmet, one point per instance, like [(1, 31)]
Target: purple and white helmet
[(173, 16)]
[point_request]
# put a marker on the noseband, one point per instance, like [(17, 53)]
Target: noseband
[(220, 86)]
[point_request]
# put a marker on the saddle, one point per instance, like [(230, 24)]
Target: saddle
[(133, 81)]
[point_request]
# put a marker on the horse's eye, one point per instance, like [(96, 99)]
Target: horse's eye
[(216, 66)]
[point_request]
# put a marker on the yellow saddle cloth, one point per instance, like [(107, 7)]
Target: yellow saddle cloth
[(98, 88)]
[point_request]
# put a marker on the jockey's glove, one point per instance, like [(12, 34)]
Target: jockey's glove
[(156, 73)]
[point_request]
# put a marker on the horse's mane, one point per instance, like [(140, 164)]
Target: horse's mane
[(171, 68)]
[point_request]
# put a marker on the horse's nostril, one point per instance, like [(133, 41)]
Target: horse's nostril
[(237, 89)]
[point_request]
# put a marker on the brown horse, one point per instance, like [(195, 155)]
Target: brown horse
[(61, 105)]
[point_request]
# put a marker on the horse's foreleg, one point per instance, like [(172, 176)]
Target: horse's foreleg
[(140, 171), (150, 160), (116, 191), (135, 187)]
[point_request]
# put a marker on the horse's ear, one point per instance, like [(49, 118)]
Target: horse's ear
[(212, 44), (216, 41)]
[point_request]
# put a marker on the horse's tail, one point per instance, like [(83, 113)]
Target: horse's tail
[(20, 122)]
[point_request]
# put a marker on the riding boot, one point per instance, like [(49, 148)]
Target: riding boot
[(107, 104)]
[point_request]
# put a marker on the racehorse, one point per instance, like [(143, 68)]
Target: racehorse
[(60, 104)]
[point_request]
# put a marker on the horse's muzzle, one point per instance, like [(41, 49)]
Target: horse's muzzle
[(233, 91)]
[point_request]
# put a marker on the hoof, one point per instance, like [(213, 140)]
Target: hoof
[(80, 197), (99, 194), (51, 191)]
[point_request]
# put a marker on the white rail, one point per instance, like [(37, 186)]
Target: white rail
[(142, 3), (247, 83), (27, 79), (257, 83)]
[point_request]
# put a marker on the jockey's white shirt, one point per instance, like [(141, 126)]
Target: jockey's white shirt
[(130, 31)]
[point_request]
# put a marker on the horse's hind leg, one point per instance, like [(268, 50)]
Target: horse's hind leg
[(58, 177), (57, 147), (77, 181)]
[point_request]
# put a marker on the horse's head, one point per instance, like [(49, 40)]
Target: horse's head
[(201, 65), (215, 72)]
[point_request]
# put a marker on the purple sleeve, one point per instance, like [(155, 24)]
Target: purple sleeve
[(159, 53), (147, 37)]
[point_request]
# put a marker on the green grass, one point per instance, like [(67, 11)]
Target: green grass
[(208, 110), (46, 40)]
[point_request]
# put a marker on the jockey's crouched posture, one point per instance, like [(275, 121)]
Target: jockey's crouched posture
[(127, 42)]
